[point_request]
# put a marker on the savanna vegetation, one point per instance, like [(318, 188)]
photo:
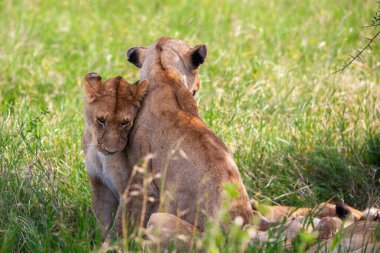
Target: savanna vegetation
[(299, 134)]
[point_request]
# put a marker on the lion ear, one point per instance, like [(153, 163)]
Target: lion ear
[(198, 55), (139, 90), (93, 85), (136, 56)]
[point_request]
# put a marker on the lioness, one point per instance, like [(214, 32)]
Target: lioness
[(361, 236), (110, 109), (278, 213), (192, 161)]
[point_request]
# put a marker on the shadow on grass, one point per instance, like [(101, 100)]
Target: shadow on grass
[(348, 175), (372, 155)]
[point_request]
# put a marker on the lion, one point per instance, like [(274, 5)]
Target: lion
[(361, 236), (193, 162), (110, 109), (327, 231), (324, 209)]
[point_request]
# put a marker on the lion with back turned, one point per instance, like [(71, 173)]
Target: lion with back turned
[(193, 162)]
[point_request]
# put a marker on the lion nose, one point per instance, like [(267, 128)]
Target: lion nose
[(108, 150)]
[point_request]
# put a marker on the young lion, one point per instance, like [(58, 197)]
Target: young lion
[(193, 162), (110, 109)]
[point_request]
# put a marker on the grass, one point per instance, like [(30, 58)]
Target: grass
[(299, 135)]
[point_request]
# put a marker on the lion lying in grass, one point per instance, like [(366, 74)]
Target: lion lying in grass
[(278, 213), (330, 234)]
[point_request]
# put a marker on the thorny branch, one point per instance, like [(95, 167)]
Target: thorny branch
[(375, 23)]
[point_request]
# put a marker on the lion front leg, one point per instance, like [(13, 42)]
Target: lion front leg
[(105, 205)]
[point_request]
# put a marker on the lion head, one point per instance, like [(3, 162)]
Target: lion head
[(170, 54), (110, 108)]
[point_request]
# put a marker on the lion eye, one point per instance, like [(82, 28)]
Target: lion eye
[(194, 93), (101, 121), (125, 123)]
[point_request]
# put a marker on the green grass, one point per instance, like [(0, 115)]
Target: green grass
[(299, 135)]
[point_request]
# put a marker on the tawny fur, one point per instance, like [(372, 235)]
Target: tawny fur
[(110, 109), (355, 237), (278, 213), (165, 229), (372, 214), (327, 227)]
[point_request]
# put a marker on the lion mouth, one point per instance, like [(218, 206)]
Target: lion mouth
[(107, 152)]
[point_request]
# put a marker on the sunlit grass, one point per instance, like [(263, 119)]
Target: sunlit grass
[(299, 135)]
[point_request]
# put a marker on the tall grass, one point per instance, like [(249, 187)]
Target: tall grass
[(299, 135)]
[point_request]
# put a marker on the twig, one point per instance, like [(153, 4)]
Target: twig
[(375, 23), (357, 56), (368, 26)]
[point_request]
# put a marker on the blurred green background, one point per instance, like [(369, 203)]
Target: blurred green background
[(299, 134)]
